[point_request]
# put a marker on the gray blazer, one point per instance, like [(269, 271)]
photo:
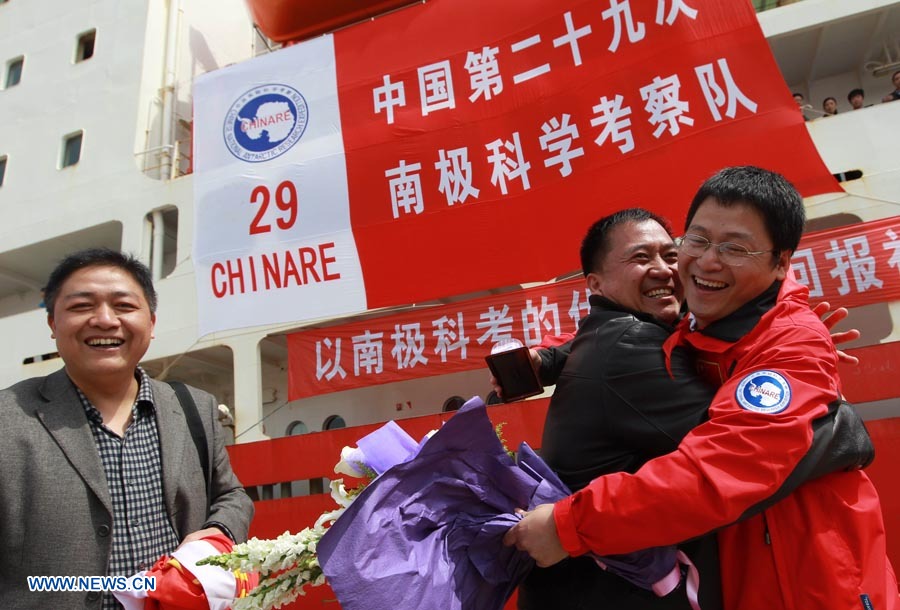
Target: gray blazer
[(55, 508)]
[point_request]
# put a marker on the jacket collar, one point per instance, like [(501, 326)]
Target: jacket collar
[(603, 304), (721, 334), (745, 318), (61, 414)]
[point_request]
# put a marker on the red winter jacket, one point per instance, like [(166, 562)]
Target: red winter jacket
[(823, 546)]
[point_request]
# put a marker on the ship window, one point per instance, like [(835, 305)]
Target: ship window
[(14, 71), (453, 404), (2, 169), (297, 427), (85, 48), (334, 422), (71, 152)]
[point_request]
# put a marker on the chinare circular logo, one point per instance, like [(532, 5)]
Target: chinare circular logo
[(265, 122), (764, 392)]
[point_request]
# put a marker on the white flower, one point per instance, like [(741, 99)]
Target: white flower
[(352, 462), (326, 518), (339, 493)]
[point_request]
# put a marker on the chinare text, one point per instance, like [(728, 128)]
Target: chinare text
[(275, 270)]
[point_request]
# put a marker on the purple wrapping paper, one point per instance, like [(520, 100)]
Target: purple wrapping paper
[(428, 533), (386, 447)]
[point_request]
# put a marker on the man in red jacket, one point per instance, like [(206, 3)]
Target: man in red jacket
[(822, 546)]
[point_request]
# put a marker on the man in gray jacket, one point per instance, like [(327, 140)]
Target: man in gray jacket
[(99, 473)]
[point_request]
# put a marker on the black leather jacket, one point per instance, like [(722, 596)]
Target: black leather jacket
[(614, 408), (615, 405)]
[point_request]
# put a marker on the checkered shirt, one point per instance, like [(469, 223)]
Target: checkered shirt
[(141, 531)]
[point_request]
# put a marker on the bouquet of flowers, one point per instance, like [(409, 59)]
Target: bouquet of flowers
[(426, 532)]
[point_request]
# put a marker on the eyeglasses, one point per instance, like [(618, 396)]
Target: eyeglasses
[(730, 253)]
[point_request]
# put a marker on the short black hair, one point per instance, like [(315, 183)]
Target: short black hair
[(797, 94), (829, 98), (854, 92), (595, 245), (770, 193), (99, 257)]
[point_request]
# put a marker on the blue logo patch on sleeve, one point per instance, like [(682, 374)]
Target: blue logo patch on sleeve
[(866, 602), (764, 392)]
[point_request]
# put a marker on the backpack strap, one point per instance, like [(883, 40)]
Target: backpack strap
[(195, 427)]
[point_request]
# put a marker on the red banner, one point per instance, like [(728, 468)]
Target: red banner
[(426, 342), (483, 138), (459, 145), (849, 266), (853, 265)]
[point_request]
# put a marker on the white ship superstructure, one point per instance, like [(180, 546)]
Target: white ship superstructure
[(95, 150)]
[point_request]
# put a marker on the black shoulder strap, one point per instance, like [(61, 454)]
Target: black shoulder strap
[(195, 427)]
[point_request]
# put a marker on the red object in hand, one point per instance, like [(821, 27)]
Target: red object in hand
[(179, 588)]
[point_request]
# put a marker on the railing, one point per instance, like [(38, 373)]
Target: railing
[(173, 160)]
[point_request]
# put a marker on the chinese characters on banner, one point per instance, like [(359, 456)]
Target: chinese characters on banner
[(849, 266), (460, 145), (853, 265), (432, 341)]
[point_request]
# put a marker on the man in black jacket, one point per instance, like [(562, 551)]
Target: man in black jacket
[(615, 406)]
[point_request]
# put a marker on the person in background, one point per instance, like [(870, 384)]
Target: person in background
[(857, 98), (895, 94), (801, 104), (829, 105), (820, 546), (100, 474)]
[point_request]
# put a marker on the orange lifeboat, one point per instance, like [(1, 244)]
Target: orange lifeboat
[(294, 20)]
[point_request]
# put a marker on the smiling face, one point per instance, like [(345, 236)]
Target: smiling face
[(714, 290), (102, 323), (640, 270)]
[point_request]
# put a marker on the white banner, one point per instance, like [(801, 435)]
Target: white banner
[(272, 237)]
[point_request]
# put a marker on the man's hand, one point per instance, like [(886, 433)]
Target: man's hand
[(200, 534), (830, 321), (536, 535)]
